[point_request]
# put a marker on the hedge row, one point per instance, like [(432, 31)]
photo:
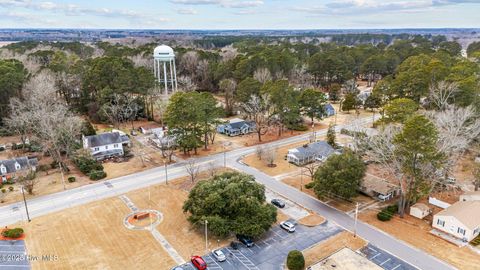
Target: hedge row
[(13, 233), (387, 213)]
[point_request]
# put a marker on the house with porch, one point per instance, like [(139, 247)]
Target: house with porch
[(236, 127), (317, 151), (378, 188), (106, 145), (461, 220), (15, 167)]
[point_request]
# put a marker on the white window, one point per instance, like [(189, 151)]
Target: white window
[(461, 231), (96, 149), (3, 169), (476, 231), (441, 222), (106, 147), (17, 166), (115, 146)]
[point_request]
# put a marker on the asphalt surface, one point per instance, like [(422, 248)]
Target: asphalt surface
[(13, 213), (271, 250), (13, 255), (385, 259)]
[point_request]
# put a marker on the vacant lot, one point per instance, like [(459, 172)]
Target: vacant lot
[(416, 232)]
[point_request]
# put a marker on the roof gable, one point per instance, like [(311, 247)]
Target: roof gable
[(105, 139), (468, 213)]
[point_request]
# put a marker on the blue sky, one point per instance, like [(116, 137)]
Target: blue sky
[(240, 14)]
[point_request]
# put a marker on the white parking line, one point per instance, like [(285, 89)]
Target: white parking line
[(385, 261), (371, 249), (398, 265), (378, 254)]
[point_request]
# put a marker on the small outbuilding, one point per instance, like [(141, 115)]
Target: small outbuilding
[(420, 210), (329, 110), (470, 196)]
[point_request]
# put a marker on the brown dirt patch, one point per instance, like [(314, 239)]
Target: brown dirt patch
[(416, 232), (312, 220), (331, 245)]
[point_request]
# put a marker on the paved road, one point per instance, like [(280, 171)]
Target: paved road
[(50, 203), (13, 255)]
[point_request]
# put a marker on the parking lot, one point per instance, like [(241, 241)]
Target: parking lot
[(270, 251), (13, 255), (384, 259)]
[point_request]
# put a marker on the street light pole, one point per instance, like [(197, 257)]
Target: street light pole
[(166, 173), (25, 202), (206, 235), (356, 217)]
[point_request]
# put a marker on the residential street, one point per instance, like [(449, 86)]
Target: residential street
[(13, 213)]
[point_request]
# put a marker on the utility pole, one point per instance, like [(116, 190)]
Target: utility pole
[(166, 173), (313, 131), (356, 217), (301, 178), (206, 235), (25, 202)]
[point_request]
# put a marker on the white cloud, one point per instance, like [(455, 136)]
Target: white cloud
[(187, 11), (222, 3)]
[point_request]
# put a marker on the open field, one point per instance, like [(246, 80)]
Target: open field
[(416, 232), (337, 242), (92, 237)]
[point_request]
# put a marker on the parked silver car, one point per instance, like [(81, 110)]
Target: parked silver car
[(219, 255), (288, 226)]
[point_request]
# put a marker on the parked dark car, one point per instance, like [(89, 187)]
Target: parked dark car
[(199, 263), (234, 245), (245, 240), (278, 203)]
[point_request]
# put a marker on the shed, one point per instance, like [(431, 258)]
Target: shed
[(420, 210), (470, 196), (329, 110)]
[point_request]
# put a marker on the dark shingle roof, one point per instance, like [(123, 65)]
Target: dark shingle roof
[(105, 139), (240, 124), (24, 163)]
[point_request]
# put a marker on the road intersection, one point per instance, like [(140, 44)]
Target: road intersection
[(13, 213)]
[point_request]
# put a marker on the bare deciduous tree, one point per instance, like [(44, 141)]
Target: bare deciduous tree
[(311, 168), (256, 110), (160, 107), (270, 155), (259, 151), (262, 75), (457, 128), (186, 84), (442, 93), (189, 62), (49, 119), (228, 86), (167, 146), (192, 169), (212, 169)]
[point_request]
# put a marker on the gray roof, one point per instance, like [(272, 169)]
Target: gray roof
[(106, 139), (240, 124), (320, 148), (24, 162)]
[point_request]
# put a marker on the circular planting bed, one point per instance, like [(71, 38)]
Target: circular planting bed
[(143, 220)]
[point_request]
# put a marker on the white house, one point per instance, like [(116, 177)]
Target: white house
[(470, 196), (420, 210), (106, 145), (461, 220), (11, 168), (317, 151)]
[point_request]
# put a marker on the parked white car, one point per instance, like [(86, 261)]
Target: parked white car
[(288, 226), (219, 255)]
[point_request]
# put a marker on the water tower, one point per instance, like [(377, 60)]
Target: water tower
[(164, 68)]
